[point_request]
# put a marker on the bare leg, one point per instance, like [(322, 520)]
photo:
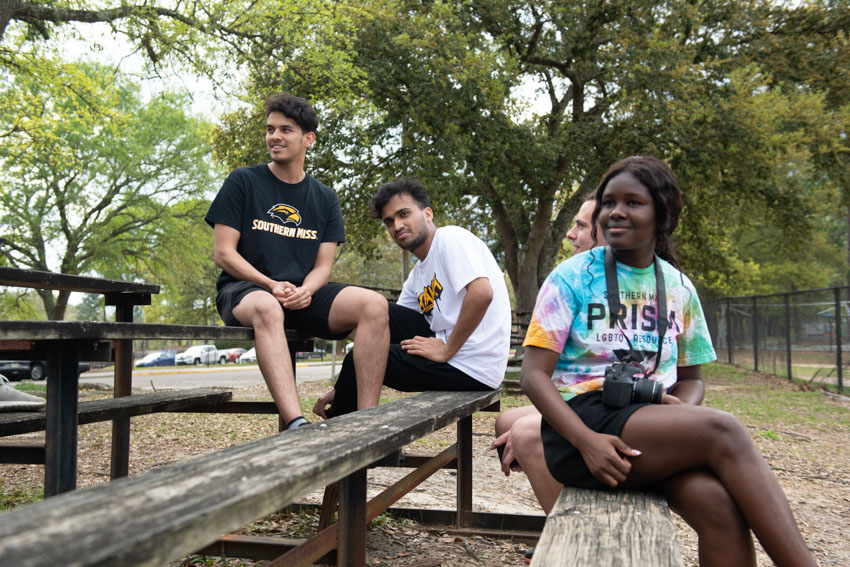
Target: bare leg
[(528, 450), (260, 310), (507, 419), (724, 536), (681, 438), (366, 312)]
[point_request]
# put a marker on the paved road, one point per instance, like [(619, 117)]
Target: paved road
[(228, 375)]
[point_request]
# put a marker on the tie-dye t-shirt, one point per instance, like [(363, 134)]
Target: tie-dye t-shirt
[(571, 317)]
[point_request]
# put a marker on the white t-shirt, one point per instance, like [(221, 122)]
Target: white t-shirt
[(437, 286)]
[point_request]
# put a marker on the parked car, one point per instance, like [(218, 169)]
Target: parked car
[(310, 354), (157, 358), (229, 355), (248, 356), (36, 369), (199, 354)]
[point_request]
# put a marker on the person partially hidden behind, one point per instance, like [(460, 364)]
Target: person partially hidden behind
[(581, 234), (276, 232), (450, 329)]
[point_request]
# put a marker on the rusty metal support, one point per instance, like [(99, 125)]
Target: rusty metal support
[(464, 471), (323, 542)]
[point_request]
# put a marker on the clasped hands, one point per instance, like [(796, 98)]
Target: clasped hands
[(291, 296)]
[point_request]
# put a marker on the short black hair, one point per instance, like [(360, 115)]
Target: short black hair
[(408, 185), (295, 108)]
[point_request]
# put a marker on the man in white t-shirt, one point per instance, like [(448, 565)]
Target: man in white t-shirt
[(450, 329)]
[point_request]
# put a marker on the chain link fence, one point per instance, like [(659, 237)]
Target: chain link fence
[(802, 334)]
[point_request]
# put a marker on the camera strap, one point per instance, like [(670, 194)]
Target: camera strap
[(614, 303)]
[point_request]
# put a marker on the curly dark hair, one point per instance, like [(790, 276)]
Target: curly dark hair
[(666, 193), (294, 107), (409, 185)]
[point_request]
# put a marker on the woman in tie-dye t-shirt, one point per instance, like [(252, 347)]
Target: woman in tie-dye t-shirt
[(701, 459)]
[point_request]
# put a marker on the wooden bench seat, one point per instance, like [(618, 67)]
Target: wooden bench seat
[(164, 514), (608, 529), (113, 408), (63, 344), (94, 331)]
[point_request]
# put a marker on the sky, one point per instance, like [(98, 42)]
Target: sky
[(96, 42)]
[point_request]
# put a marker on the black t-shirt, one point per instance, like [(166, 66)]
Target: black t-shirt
[(281, 224)]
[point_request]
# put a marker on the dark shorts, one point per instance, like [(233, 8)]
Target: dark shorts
[(564, 461), (405, 372), (312, 320)]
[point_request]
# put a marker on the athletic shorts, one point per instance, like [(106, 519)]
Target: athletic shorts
[(312, 320), (564, 461)]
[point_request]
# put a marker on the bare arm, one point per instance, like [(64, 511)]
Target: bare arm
[(479, 295), (689, 388), (232, 262), (603, 454), (318, 276), (292, 297)]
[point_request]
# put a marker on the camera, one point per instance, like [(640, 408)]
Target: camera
[(621, 388)]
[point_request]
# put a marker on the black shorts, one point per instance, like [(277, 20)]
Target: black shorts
[(405, 372), (564, 461), (312, 320)]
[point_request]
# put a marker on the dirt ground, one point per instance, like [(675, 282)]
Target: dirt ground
[(812, 464)]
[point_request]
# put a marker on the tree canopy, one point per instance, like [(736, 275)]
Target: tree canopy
[(442, 90), (89, 173), (511, 110)]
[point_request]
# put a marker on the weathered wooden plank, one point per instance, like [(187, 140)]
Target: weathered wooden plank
[(608, 529), (18, 331), (114, 408), (91, 330), (49, 280), (164, 514)]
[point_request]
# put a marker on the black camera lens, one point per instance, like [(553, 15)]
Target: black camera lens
[(647, 391)]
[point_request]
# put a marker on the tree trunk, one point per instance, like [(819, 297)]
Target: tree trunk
[(847, 250), (7, 9), (61, 306), (524, 281)]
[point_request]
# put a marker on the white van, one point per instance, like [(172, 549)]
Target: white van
[(199, 354)]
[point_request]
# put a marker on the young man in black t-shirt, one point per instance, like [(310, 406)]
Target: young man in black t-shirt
[(276, 232)]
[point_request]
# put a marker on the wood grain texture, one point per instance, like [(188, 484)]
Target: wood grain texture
[(50, 280), (16, 333), (608, 529), (166, 513), (114, 408), (91, 330)]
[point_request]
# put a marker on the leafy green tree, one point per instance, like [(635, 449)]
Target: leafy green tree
[(441, 93), (183, 263), (88, 174), (20, 305), (91, 308)]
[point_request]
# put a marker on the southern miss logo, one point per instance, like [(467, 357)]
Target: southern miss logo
[(285, 214), (430, 295)]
